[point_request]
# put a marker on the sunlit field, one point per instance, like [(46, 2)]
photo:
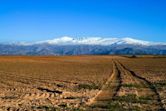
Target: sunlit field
[(78, 83)]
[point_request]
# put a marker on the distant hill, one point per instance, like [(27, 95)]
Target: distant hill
[(81, 46)]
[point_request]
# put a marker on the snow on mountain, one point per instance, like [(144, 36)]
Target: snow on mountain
[(83, 46), (97, 41), (63, 40)]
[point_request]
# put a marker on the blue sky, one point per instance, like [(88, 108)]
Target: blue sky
[(34, 20)]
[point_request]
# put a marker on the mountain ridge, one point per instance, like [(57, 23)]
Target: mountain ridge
[(85, 46)]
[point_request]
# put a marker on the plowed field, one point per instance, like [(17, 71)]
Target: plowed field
[(76, 83)]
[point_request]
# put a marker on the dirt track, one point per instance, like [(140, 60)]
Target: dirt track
[(107, 93), (125, 90)]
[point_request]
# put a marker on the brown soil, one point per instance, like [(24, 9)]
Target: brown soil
[(97, 83)]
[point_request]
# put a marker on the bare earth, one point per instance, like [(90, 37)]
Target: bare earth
[(78, 83)]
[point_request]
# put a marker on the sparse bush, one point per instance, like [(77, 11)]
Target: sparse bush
[(133, 56)]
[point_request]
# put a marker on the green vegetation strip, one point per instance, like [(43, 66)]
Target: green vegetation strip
[(132, 98)]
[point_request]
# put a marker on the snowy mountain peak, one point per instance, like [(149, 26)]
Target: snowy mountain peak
[(62, 40), (97, 41)]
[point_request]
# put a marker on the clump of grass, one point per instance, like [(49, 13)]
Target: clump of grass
[(9, 97), (160, 84), (60, 85), (46, 108), (145, 98), (131, 85), (115, 106), (130, 98), (88, 86), (63, 105), (71, 97), (66, 107), (76, 109)]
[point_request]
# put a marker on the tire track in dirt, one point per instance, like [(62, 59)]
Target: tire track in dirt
[(27, 98), (43, 94), (39, 95), (113, 86), (108, 91), (143, 81)]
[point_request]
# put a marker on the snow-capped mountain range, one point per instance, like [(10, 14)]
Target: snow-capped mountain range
[(79, 46), (93, 41)]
